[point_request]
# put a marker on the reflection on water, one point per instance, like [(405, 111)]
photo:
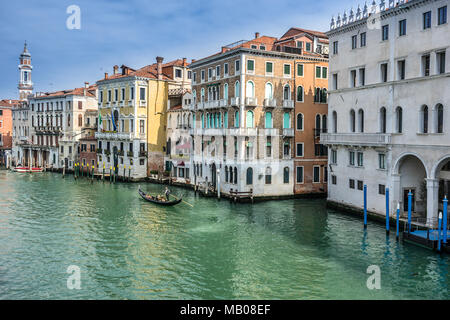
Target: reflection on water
[(130, 249)]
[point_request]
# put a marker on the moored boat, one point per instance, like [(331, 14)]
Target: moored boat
[(153, 199), (27, 169)]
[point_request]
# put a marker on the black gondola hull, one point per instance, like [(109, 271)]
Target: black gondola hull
[(162, 203)]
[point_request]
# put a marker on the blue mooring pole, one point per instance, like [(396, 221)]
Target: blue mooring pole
[(398, 220), (445, 220), (387, 211), (409, 210), (365, 206), (439, 231)]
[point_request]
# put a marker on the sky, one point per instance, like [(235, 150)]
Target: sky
[(134, 32)]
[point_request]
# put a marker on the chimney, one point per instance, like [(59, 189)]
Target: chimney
[(116, 69), (159, 61), (193, 60), (224, 49), (106, 75), (256, 35), (184, 62), (86, 86)]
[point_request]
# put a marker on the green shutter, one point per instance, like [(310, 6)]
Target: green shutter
[(269, 67), (300, 70), (287, 69), (250, 65), (324, 72), (318, 72)]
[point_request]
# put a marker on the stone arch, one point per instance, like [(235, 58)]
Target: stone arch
[(401, 157)]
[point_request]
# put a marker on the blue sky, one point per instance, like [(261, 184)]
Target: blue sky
[(134, 32)]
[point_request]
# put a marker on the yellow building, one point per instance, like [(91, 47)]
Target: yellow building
[(133, 108)]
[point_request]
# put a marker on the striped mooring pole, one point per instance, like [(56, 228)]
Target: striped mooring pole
[(387, 211), (365, 206)]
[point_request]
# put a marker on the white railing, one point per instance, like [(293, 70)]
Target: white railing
[(113, 135), (212, 104), (236, 101), (270, 102), (288, 104), (289, 132), (251, 101), (355, 138), (223, 102)]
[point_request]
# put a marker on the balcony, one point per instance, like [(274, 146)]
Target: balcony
[(130, 154), (212, 104), (121, 103), (120, 153), (143, 154), (251, 102), (23, 138), (288, 132), (200, 105), (223, 103), (289, 104), (99, 151), (270, 103), (235, 102), (113, 135), (360, 139), (142, 103), (243, 132)]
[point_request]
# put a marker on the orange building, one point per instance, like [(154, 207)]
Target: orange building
[(6, 107)]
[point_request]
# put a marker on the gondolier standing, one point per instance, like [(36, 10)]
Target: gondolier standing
[(167, 193)]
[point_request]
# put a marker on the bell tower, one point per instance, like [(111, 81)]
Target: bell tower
[(25, 85)]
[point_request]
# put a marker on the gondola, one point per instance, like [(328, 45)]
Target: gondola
[(153, 199)]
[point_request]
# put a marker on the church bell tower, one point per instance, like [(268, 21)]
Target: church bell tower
[(25, 85)]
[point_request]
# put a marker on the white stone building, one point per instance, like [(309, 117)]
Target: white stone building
[(179, 142), (389, 99), (21, 122)]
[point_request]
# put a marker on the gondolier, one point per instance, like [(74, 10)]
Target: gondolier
[(167, 193)]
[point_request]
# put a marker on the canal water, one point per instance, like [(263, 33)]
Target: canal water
[(127, 248)]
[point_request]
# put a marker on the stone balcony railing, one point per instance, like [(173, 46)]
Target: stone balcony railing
[(113, 135), (251, 101), (288, 104), (288, 132), (211, 104), (235, 102), (270, 103), (363, 139)]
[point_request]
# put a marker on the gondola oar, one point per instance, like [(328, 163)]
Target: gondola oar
[(182, 200)]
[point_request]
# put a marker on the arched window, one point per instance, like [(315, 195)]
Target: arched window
[(237, 89), (178, 121), (324, 123), (286, 120), (249, 179), (286, 175), (225, 92), (424, 119), (300, 94), (226, 173), (203, 121), (299, 121), (235, 175), (250, 119), (383, 120), (335, 128), (287, 92), (399, 120), (194, 96), (236, 119), (268, 175), (231, 175), (352, 121), (193, 121), (318, 122), (268, 91), (225, 119), (269, 120), (202, 95), (440, 118), (323, 95), (250, 90), (169, 146), (80, 120), (361, 120)]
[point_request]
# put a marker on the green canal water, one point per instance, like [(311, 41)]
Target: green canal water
[(129, 249)]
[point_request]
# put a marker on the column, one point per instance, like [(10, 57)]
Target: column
[(432, 201), (397, 196)]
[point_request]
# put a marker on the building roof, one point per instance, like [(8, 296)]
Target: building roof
[(10, 103), (292, 32), (64, 93), (150, 71)]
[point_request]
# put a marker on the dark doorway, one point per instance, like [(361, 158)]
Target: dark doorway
[(116, 160), (214, 176)]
